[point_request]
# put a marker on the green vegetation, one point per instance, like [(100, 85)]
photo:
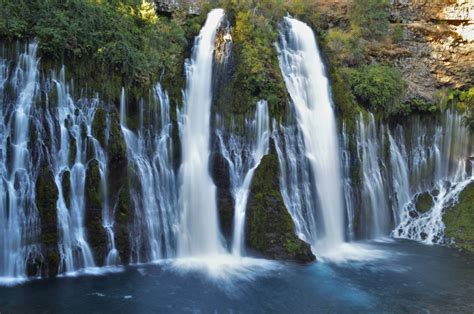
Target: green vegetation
[(121, 37), (377, 87), (369, 18), (459, 220), (256, 73)]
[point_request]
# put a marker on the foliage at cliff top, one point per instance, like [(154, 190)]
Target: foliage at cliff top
[(124, 37)]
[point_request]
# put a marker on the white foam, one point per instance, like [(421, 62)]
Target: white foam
[(352, 252), (224, 266)]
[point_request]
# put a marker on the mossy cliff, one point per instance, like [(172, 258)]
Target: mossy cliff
[(46, 202), (269, 227), (459, 220)]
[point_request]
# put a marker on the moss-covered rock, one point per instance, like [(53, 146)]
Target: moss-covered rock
[(96, 234), (424, 202), (269, 228), (99, 126), (119, 187), (459, 220), (46, 200)]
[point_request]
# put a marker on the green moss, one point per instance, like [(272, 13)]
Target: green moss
[(99, 126), (94, 197), (269, 227), (459, 220), (424, 202)]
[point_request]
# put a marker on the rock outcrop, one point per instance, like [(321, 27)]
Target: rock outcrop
[(437, 46), (269, 227)]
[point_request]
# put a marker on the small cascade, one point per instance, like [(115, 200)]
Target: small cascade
[(244, 153), (295, 180), (68, 158), (308, 86), (112, 258), (154, 192), (400, 174), (374, 198), (348, 184), (444, 164), (199, 234), (19, 222)]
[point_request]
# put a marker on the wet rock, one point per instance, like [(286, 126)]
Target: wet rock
[(424, 202), (46, 199), (270, 229), (96, 234), (225, 202)]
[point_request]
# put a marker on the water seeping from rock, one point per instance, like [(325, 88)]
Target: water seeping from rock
[(446, 169), (18, 215), (154, 194), (68, 161), (199, 231), (308, 86), (244, 153), (374, 196)]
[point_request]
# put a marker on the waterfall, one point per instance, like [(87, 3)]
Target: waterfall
[(199, 233), (295, 180), (308, 86), (69, 163), (154, 192), (18, 215), (444, 168), (244, 153), (370, 149), (112, 258), (348, 183)]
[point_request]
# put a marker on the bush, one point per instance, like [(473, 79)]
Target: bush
[(377, 87), (126, 37)]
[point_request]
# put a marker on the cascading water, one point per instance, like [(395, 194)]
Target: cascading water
[(69, 163), (199, 234), (370, 141), (244, 154), (154, 195), (448, 157), (100, 153), (295, 181), (308, 86), (18, 215)]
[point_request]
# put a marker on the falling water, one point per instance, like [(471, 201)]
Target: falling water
[(308, 86), (18, 216), (295, 180), (154, 193), (112, 258), (370, 141), (446, 159), (199, 233), (69, 162), (244, 154)]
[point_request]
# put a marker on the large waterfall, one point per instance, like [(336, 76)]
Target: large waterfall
[(308, 86), (199, 233)]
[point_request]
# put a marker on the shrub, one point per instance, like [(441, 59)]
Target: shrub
[(377, 87)]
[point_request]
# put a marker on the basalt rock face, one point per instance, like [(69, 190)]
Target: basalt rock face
[(269, 227), (437, 46)]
